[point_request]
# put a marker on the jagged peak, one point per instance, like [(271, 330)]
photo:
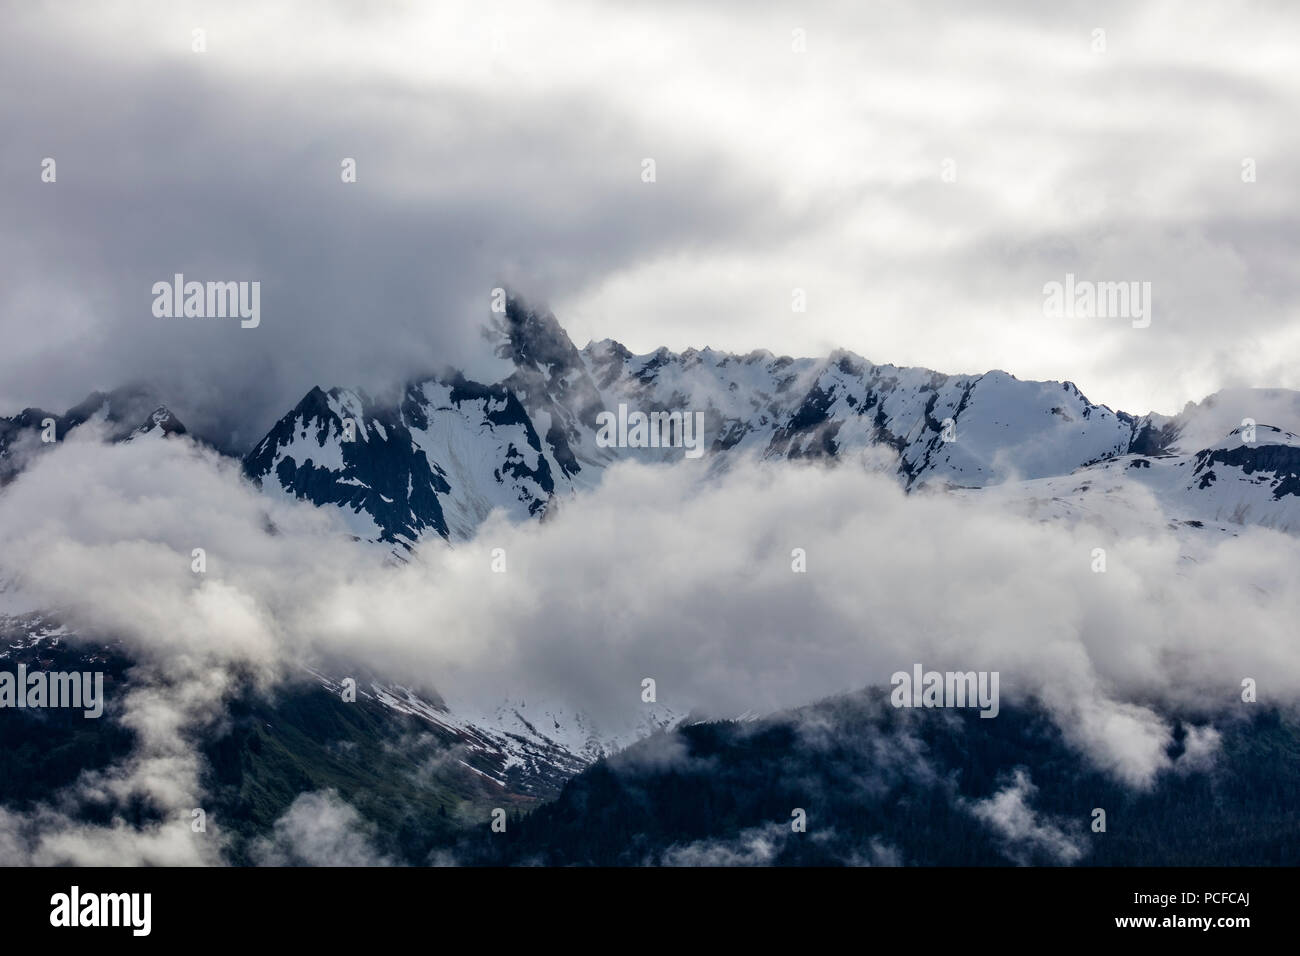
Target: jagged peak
[(533, 338), (161, 420)]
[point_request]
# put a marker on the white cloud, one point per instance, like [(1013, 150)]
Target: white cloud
[(655, 575), (1027, 836), (319, 829)]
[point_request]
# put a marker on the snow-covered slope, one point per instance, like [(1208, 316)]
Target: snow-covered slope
[(1205, 423), (1215, 491), (1000, 426), (439, 462), (454, 450)]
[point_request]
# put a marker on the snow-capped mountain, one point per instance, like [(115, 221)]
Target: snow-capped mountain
[(1213, 492), (453, 450), (439, 462), (432, 466), (124, 413)]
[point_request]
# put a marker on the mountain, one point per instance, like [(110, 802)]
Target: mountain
[(394, 752), (439, 462), (436, 463), (124, 413), (429, 467), (882, 786), (519, 752), (877, 785), (1213, 491), (453, 450)]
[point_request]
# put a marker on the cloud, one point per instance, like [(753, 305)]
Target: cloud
[(1027, 836), (660, 752), (503, 142), (658, 573), (222, 170), (319, 829), (756, 846), (761, 845), (46, 837)]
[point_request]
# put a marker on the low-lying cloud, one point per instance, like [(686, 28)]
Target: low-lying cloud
[(654, 574)]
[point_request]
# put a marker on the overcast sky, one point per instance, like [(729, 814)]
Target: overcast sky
[(501, 143)]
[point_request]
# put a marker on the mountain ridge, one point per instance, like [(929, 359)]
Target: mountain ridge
[(435, 462), (463, 448)]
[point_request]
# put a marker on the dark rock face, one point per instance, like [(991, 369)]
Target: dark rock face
[(1280, 462), (382, 472)]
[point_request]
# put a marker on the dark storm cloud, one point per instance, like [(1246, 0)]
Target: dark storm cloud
[(500, 143), (178, 164)]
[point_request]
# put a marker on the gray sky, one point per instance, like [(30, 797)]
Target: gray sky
[(503, 143)]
